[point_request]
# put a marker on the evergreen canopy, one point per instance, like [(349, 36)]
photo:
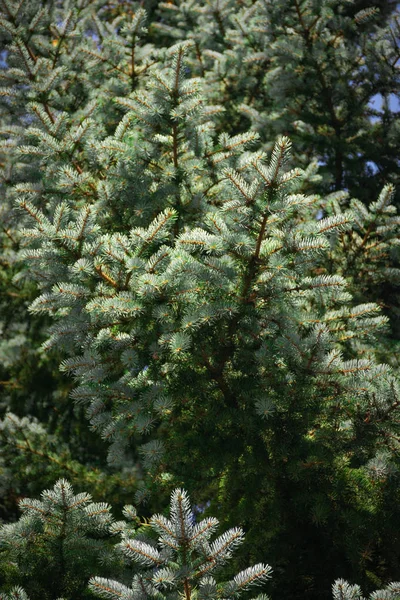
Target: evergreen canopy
[(199, 207)]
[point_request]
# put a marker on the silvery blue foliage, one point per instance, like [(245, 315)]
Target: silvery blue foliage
[(183, 559)]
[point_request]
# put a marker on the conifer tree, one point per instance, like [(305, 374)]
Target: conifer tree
[(183, 561), (324, 73), (348, 50), (207, 300), (56, 545), (176, 558), (17, 593), (342, 590)]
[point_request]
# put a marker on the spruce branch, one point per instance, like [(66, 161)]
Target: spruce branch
[(190, 555)]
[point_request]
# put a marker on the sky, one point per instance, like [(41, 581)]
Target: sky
[(394, 102)]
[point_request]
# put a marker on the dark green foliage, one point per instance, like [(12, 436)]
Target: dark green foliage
[(30, 458)]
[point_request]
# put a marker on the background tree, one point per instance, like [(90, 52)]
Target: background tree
[(56, 544)]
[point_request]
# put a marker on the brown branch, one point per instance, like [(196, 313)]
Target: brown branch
[(175, 144), (106, 277), (327, 94)]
